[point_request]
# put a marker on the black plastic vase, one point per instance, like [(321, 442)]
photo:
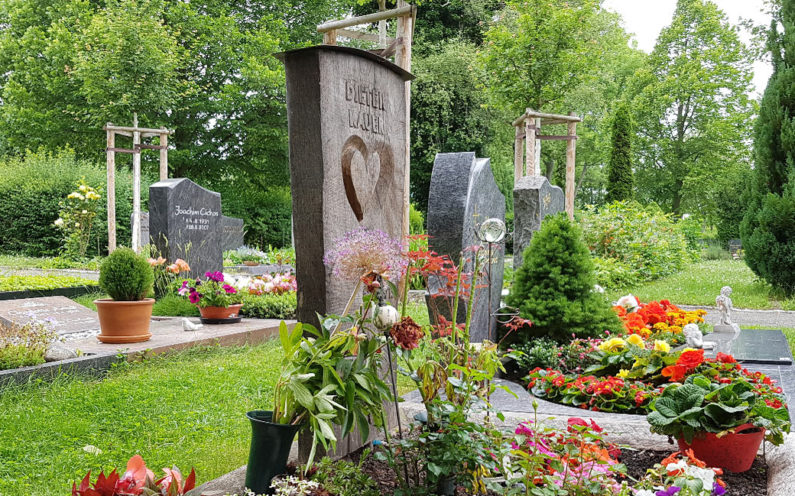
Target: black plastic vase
[(270, 448)]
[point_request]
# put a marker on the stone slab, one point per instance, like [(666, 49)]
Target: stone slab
[(463, 194), (762, 346), (59, 312), (231, 233), (145, 236), (185, 222), (533, 199)]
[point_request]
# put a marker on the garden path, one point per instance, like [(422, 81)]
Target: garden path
[(772, 318)]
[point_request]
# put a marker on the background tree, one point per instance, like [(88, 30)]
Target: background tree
[(692, 107), (619, 170)]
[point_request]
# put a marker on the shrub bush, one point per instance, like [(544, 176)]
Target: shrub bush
[(126, 276), (768, 234), (23, 346), (554, 287), (635, 243), (267, 214), (270, 306), (31, 189)]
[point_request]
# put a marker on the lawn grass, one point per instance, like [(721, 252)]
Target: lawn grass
[(700, 283), (185, 409)]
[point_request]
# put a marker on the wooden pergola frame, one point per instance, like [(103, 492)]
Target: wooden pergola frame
[(527, 153), (400, 47), (136, 133)]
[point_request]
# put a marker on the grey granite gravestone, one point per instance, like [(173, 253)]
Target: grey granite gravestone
[(533, 199), (144, 227), (462, 195), (346, 119), (185, 222), (60, 313), (231, 233)]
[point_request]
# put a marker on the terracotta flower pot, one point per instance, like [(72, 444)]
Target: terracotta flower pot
[(733, 452), (124, 321), (231, 311)]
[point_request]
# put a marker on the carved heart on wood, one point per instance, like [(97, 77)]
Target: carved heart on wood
[(363, 180)]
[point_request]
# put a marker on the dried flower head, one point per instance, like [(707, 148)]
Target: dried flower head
[(406, 333), (363, 251)]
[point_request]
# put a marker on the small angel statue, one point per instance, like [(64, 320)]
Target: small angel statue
[(693, 335), (725, 307)]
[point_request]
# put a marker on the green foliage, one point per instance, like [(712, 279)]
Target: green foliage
[(22, 283), (554, 286), (343, 478), (633, 243), (126, 276), (77, 215), (204, 395), (31, 189), (730, 205), (267, 213), (447, 111), (774, 131), (542, 352), (416, 220), (23, 262), (619, 170), (22, 346), (172, 305), (270, 306), (768, 234), (127, 67), (714, 252), (692, 109)]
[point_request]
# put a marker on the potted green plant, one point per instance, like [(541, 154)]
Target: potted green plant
[(215, 298), (723, 421), (127, 278)]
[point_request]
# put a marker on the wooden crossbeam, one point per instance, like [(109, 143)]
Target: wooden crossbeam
[(546, 136), (122, 150), (150, 147), (408, 10), (546, 118), (153, 132)]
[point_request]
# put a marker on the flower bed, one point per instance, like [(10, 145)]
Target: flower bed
[(38, 283)]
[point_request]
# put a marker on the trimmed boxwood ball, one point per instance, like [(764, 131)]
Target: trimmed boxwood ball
[(126, 276), (554, 287)]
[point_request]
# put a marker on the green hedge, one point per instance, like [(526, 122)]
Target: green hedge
[(270, 306), (23, 283), (31, 188), (632, 243)]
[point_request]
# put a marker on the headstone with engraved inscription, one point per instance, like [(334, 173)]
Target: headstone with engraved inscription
[(61, 314), (533, 199), (346, 118), (185, 222), (463, 194), (231, 233)]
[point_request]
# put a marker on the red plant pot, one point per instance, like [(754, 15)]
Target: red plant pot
[(231, 311), (733, 452)]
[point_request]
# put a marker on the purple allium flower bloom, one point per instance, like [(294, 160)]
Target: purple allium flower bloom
[(717, 489), (670, 492), (362, 251)]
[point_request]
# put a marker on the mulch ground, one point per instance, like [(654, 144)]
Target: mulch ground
[(750, 483)]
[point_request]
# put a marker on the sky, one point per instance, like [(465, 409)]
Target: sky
[(646, 18)]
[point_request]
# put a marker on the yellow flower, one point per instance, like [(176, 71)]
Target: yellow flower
[(623, 373), (613, 344), (660, 326), (92, 196), (689, 349), (637, 363), (74, 195), (661, 346), (675, 329), (636, 340), (83, 188)]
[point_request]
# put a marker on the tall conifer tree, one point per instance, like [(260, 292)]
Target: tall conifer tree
[(619, 170)]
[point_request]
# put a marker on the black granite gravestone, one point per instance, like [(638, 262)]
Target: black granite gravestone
[(463, 194), (185, 222), (231, 233), (533, 199), (766, 346)]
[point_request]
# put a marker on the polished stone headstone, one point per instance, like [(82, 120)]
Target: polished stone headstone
[(231, 233), (185, 222), (761, 346), (533, 199), (463, 194), (60, 313)]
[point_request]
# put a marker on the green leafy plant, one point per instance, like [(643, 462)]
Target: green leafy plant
[(270, 306), (634, 243), (76, 218), (554, 286), (126, 276), (23, 283), (25, 345), (343, 478), (212, 292), (703, 405)]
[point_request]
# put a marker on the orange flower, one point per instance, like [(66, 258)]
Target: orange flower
[(675, 373)]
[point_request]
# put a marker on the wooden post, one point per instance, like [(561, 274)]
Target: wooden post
[(111, 186), (164, 155), (382, 26), (405, 30), (571, 147), (537, 160), (136, 156), (530, 145), (330, 37), (518, 155)]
